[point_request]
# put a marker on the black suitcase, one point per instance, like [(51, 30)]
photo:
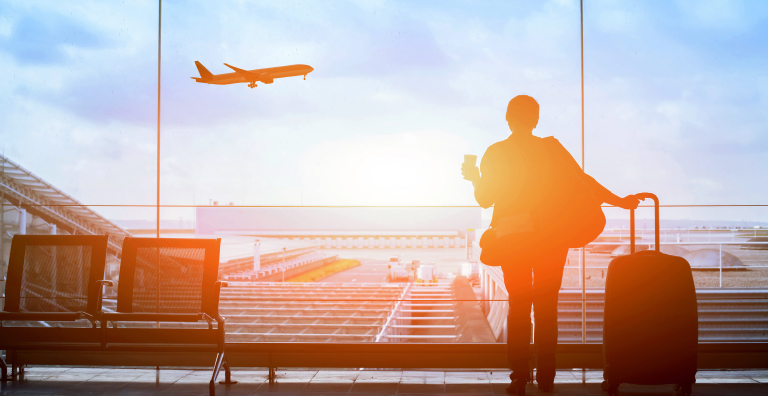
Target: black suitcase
[(650, 325)]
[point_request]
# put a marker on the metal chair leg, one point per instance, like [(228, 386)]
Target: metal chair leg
[(216, 370), (227, 374), (4, 369), (14, 365)]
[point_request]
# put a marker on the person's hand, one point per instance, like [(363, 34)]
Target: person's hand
[(629, 202), (470, 172)]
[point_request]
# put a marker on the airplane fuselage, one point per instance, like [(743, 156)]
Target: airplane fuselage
[(266, 75)]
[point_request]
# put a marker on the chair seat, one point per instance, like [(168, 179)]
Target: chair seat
[(171, 338), (176, 348), (34, 338), (42, 316), (51, 346), (151, 317)]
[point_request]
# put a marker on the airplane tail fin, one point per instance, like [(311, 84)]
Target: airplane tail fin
[(204, 73)]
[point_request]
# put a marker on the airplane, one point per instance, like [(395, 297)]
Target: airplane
[(266, 75)]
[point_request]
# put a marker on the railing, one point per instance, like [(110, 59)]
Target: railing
[(496, 299), (670, 235), (395, 318), (388, 322), (719, 267), (725, 315)]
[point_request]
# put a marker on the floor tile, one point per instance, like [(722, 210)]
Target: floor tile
[(282, 387), (743, 380), (421, 388), (475, 388), (374, 388), (327, 394), (433, 380), (335, 377), (44, 381), (328, 387)]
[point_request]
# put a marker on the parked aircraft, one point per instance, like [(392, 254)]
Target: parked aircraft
[(266, 75)]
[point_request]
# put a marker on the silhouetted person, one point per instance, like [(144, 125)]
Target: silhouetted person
[(519, 179)]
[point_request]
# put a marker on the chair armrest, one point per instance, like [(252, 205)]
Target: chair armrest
[(89, 317), (99, 297), (208, 319), (218, 285), (220, 328)]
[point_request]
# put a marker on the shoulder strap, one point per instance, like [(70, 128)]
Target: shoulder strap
[(558, 151)]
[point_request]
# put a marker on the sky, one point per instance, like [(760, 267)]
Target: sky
[(676, 94)]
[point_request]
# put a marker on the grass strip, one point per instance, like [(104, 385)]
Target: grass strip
[(325, 271)]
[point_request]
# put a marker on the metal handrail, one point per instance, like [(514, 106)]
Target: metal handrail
[(496, 298), (393, 315)]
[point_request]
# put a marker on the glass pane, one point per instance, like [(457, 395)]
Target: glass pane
[(288, 173)]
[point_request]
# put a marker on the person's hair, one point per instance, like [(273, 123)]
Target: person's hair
[(524, 109)]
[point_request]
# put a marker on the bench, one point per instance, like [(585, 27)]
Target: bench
[(164, 281), (52, 278)]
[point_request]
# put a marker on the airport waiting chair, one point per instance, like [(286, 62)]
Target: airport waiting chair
[(167, 280), (52, 278)]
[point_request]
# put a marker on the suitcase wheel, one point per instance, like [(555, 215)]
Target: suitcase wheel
[(613, 390), (683, 389), (604, 385)]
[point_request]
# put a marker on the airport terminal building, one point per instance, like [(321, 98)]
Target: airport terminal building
[(347, 227)]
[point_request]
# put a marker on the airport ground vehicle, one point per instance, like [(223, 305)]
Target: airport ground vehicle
[(397, 270), (650, 327), (413, 267), (426, 273)]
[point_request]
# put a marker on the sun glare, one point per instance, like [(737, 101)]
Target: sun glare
[(399, 169)]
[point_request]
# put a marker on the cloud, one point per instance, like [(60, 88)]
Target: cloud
[(671, 99), (398, 49), (46, 39), (724, 15)]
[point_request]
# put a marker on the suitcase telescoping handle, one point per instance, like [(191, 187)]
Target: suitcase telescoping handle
[(642, 197)]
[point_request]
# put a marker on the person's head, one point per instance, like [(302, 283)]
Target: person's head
[(522, 114)]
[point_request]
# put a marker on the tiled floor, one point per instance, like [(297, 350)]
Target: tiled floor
[(106, 381)]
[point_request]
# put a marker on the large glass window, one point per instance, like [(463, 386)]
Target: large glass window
[(338, 196)]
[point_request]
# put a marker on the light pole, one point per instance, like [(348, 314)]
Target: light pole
[(583, 251), (282, 268), (159, 37)]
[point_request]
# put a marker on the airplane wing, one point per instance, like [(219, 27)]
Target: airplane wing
[(243, 72)]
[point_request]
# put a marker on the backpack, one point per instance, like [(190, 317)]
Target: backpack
[(566, 212)]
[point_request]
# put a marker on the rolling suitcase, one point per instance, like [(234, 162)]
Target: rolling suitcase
[(650, 325)]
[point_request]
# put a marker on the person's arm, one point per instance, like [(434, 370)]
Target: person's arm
[(605, 195), (483, 183)]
